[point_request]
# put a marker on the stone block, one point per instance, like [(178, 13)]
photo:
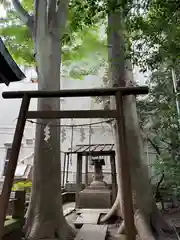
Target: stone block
[(95, 198)]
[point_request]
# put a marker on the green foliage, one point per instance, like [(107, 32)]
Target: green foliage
[(155, 33), (22, 185), (87, 54), (83, 48), (17, 38), (155, 36), (85, 13), (158, 115), (82, 44), (28, 5), (22, 50)]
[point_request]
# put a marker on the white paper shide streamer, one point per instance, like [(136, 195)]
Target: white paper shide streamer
[(47, 133)]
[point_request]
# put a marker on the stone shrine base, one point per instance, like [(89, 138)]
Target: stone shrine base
[(95, 198)]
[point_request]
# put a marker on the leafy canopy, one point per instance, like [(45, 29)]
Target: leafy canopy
[(155, 34), (80, 41)]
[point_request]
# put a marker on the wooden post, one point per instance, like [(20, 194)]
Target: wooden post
[(64, 169), (86, 170), (124, 170), (8, 182), (78, 178), (19, 205), (113, 176)]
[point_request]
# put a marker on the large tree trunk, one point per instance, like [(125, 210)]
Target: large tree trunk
[(45, 218), (146, 213)]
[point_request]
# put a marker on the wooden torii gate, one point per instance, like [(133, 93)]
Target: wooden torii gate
[(118, 114)]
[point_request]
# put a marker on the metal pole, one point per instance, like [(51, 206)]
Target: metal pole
[(67, 169), (86, 170), (8, 182), (64, 169), (78, 178), (113, 176), (175, 90)]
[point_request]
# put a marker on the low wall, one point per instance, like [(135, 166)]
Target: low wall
[(13, 229), (68, 197), (71, 187), (13, 225)]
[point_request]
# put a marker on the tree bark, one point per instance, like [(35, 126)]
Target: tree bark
[(23, 14), (45, 218), (145, 209)]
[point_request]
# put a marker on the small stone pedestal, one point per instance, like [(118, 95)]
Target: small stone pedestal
[(91, 198), (97, 195)]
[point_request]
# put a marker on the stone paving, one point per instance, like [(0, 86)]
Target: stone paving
[(112, 228)]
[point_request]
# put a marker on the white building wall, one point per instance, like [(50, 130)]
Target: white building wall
[(9, 112), (10, 108)]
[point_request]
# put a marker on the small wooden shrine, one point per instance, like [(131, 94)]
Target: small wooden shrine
[(97, 194)]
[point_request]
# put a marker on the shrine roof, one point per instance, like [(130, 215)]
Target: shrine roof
[(93, 149), (9, 70)]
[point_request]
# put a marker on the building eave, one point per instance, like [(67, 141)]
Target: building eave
[(9, 70)]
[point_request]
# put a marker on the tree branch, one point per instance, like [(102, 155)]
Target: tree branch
[(157, 149), (62, 12), (51, 11), (154, 146), (41, 24), (23, 14)]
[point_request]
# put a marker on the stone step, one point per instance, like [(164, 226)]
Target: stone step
[(87, 218), (94, 210), (89, 232)]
